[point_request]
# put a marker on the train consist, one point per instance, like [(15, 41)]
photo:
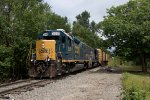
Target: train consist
[(57, 52)]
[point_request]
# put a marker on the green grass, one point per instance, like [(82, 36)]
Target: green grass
[(136, 86), (124, 66)]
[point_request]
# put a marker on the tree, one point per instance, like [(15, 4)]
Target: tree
[(57, 22), (93, 27), (83, 19), (127, 29), (86, 31)]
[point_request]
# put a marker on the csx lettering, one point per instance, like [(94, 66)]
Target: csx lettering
[(43, 51)]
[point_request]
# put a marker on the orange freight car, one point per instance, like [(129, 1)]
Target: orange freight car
[(102, 57)]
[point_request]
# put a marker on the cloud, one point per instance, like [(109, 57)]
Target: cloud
[(71, 8)]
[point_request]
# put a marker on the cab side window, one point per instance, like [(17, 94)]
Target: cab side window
[(69, 42), (63, 41)]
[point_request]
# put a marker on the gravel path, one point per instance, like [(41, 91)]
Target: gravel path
[(93, 84)]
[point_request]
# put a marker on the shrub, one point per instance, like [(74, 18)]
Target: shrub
[(5, 61)]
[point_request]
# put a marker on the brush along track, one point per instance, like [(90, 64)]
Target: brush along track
[(26, 86)]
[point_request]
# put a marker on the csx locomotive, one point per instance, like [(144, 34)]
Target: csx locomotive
[(57, 52)]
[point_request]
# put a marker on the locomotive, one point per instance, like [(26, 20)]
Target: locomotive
[(57, 52)]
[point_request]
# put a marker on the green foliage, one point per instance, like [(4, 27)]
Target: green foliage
[(5, 61), (87, 36), (85, 31), (134, 94), (123, 65), (20, 56), (136, 86), (115, 62), (126, 28), (57, 22), (83, 19)]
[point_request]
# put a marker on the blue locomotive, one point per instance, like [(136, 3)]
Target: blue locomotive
[(57, 52)]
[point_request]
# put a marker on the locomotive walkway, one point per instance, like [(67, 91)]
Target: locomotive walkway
[(93, 84)]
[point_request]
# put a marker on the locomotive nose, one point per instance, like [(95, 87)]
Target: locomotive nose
[(45, 50)]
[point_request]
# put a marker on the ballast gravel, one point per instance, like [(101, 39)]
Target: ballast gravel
[(92, 84)]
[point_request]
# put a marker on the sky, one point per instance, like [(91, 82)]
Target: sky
[(72, 8)]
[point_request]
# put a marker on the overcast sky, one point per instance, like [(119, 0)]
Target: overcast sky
[(72, 8)]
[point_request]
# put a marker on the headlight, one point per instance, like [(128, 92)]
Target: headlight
[(31, 60), (48, 59)]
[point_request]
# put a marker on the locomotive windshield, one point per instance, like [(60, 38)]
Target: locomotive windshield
[(49, 38)]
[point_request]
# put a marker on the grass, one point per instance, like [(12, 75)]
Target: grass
[(124, 66), (136, 86)]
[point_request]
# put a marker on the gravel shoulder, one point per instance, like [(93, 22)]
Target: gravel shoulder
[(93, 84)]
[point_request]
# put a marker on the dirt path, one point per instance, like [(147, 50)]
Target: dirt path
[(93, 84)]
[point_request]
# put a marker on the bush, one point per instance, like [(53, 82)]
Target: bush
[(20, 54), (114, 62), (5, 61), (13, 59)]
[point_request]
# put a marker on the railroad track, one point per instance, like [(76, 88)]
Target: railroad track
[(23, 86), (27, 85), (11, 83)]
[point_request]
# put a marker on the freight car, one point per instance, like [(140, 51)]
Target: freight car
[(57, 53), (102, 57)]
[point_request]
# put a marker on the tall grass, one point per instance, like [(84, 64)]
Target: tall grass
[(136, 86), (123, 65)]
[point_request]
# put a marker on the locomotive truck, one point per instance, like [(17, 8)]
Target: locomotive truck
[(56, 52)]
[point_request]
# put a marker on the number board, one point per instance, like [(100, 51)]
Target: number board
[(56, 33)]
